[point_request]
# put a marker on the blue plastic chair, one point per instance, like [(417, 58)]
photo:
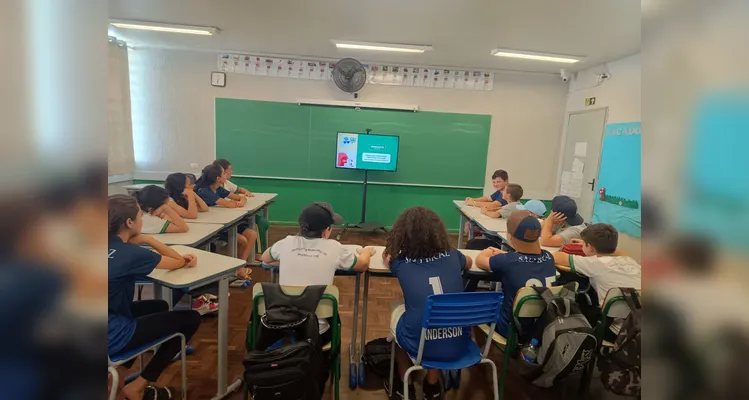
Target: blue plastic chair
[(456, 310), (119, 359)]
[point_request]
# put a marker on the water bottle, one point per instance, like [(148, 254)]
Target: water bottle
[(529, 352)]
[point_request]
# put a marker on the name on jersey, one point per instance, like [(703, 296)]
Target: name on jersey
[(545, 256), (426, 260), (443, 333), (305, 252)]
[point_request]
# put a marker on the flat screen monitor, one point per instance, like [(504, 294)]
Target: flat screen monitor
[(367, 151)]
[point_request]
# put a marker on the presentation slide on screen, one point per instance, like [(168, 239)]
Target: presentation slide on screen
[(372, 152)]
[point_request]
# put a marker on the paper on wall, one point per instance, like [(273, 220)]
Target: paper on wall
[(571, 184), (447, 78), (488, 81), (223, 62), (407, 79), (397, 76), (577, 165), (581, 149), (323, 71), (312, 70)]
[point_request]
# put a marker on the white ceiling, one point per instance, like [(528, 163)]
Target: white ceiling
[(462, 32)]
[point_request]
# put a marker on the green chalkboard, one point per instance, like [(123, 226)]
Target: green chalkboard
[(289, 140)]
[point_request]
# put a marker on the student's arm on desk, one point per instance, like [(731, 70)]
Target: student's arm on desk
[(245, 192), (177, 224), (469, 263), (482, 260), (170, 259), (548, 238), (473, 201), (200, 203), (241, 200), (363, 258), (267, 259), (226, 203), (562, 261)]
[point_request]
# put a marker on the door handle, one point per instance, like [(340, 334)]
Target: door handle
[(592, 184)]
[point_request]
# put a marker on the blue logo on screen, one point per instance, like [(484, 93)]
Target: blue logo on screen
[(348, 140)]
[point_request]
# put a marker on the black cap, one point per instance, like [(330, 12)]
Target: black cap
[(317, 217), (567, 206)]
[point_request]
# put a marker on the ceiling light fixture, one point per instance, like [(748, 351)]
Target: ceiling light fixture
[(161, 27), (530, 55), (402, 48)]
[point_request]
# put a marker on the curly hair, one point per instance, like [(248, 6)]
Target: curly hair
[(418, 232)]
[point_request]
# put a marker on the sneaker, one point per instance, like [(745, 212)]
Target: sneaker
[(204, 306), (398, 394), (433, 391)]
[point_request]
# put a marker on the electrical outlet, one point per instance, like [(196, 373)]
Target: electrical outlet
[(193, 165)]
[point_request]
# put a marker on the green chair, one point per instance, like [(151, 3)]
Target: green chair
[(527, 304), (327, 308)]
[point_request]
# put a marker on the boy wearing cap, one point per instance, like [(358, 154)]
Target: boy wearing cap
[(511, 195), (536, 207), (564, 223), (529, 265), (310, 258)]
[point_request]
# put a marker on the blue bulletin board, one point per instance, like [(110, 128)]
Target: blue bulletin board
[(620, 177)]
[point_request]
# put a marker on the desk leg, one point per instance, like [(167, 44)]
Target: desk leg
[(470, 230), (354, 351), (232, 239), (223, 333), (163, 293), (253, 225), (265, 215), (364, 328), (461, 231)]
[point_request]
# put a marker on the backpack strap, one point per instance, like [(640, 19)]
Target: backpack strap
[(282, 308), (631, 297), (559, 306)]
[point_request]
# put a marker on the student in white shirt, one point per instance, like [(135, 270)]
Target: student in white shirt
[(158, 216), (606, 267), (310, 257)]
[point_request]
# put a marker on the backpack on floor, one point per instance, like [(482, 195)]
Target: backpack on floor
[(620, 369), (567, 342), (376, 357), (287, 361)]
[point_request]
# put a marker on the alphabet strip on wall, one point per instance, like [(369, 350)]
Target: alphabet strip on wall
[(377, 74)]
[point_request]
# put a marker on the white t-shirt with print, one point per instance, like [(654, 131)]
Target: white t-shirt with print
[(231, 187), (153, 225), (608, 272), (305, 262)]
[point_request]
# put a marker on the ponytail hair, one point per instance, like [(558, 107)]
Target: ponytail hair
[(121, 208), (208, 177), (175, 185)]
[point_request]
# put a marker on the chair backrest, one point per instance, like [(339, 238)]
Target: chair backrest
[(324, 308), (528, 303), (462, 309), (614, 305)]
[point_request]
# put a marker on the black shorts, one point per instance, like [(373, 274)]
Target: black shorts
[(240, 228)]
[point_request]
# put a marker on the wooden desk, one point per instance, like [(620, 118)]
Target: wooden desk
[(211, 267)]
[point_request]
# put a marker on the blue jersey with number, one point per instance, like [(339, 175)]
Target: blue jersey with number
[(517, 270), (419, 279)]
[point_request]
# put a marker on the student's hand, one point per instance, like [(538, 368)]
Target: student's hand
[(495, 251), (191, 260), (370, 249), (249, 194), (577, 241), (557, 217), (159, 211), (469, 201), (188, 192)]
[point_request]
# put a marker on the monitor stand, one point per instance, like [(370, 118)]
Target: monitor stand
[(369, 226)]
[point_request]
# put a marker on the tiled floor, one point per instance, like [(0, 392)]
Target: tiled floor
[(475, 384)]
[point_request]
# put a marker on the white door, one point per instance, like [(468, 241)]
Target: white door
[(582, 143)]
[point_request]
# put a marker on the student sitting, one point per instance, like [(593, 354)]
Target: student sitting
[(158, 216), (511, 195), (260, 221), (495, 200), (311, 258), (564, 223), (536, 207), (419, 254), (210, 188), (529, 265), (606, 266), (183, 197), (133, 324)]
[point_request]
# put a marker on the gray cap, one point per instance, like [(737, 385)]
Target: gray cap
[(318, 216)]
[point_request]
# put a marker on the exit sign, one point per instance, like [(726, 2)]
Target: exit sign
[(589, 101)]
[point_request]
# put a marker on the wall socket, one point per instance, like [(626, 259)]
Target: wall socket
[(193, 165)]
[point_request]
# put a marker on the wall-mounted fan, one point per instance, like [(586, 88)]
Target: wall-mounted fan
[(349, 75)]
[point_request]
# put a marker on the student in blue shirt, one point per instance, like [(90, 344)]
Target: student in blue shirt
[(500, 180), (419, 254), (528, 265), (210, 187), (133, 324)]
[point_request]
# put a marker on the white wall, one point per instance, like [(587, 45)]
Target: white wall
[(173, 105), (621, 94)]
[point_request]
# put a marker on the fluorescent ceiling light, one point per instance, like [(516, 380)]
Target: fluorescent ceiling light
[(403, 48), (529, 55), (159, 27)]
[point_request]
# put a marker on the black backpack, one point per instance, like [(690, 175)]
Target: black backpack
[(376, 357), (567, 342), (620, 369), (286, 362)]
